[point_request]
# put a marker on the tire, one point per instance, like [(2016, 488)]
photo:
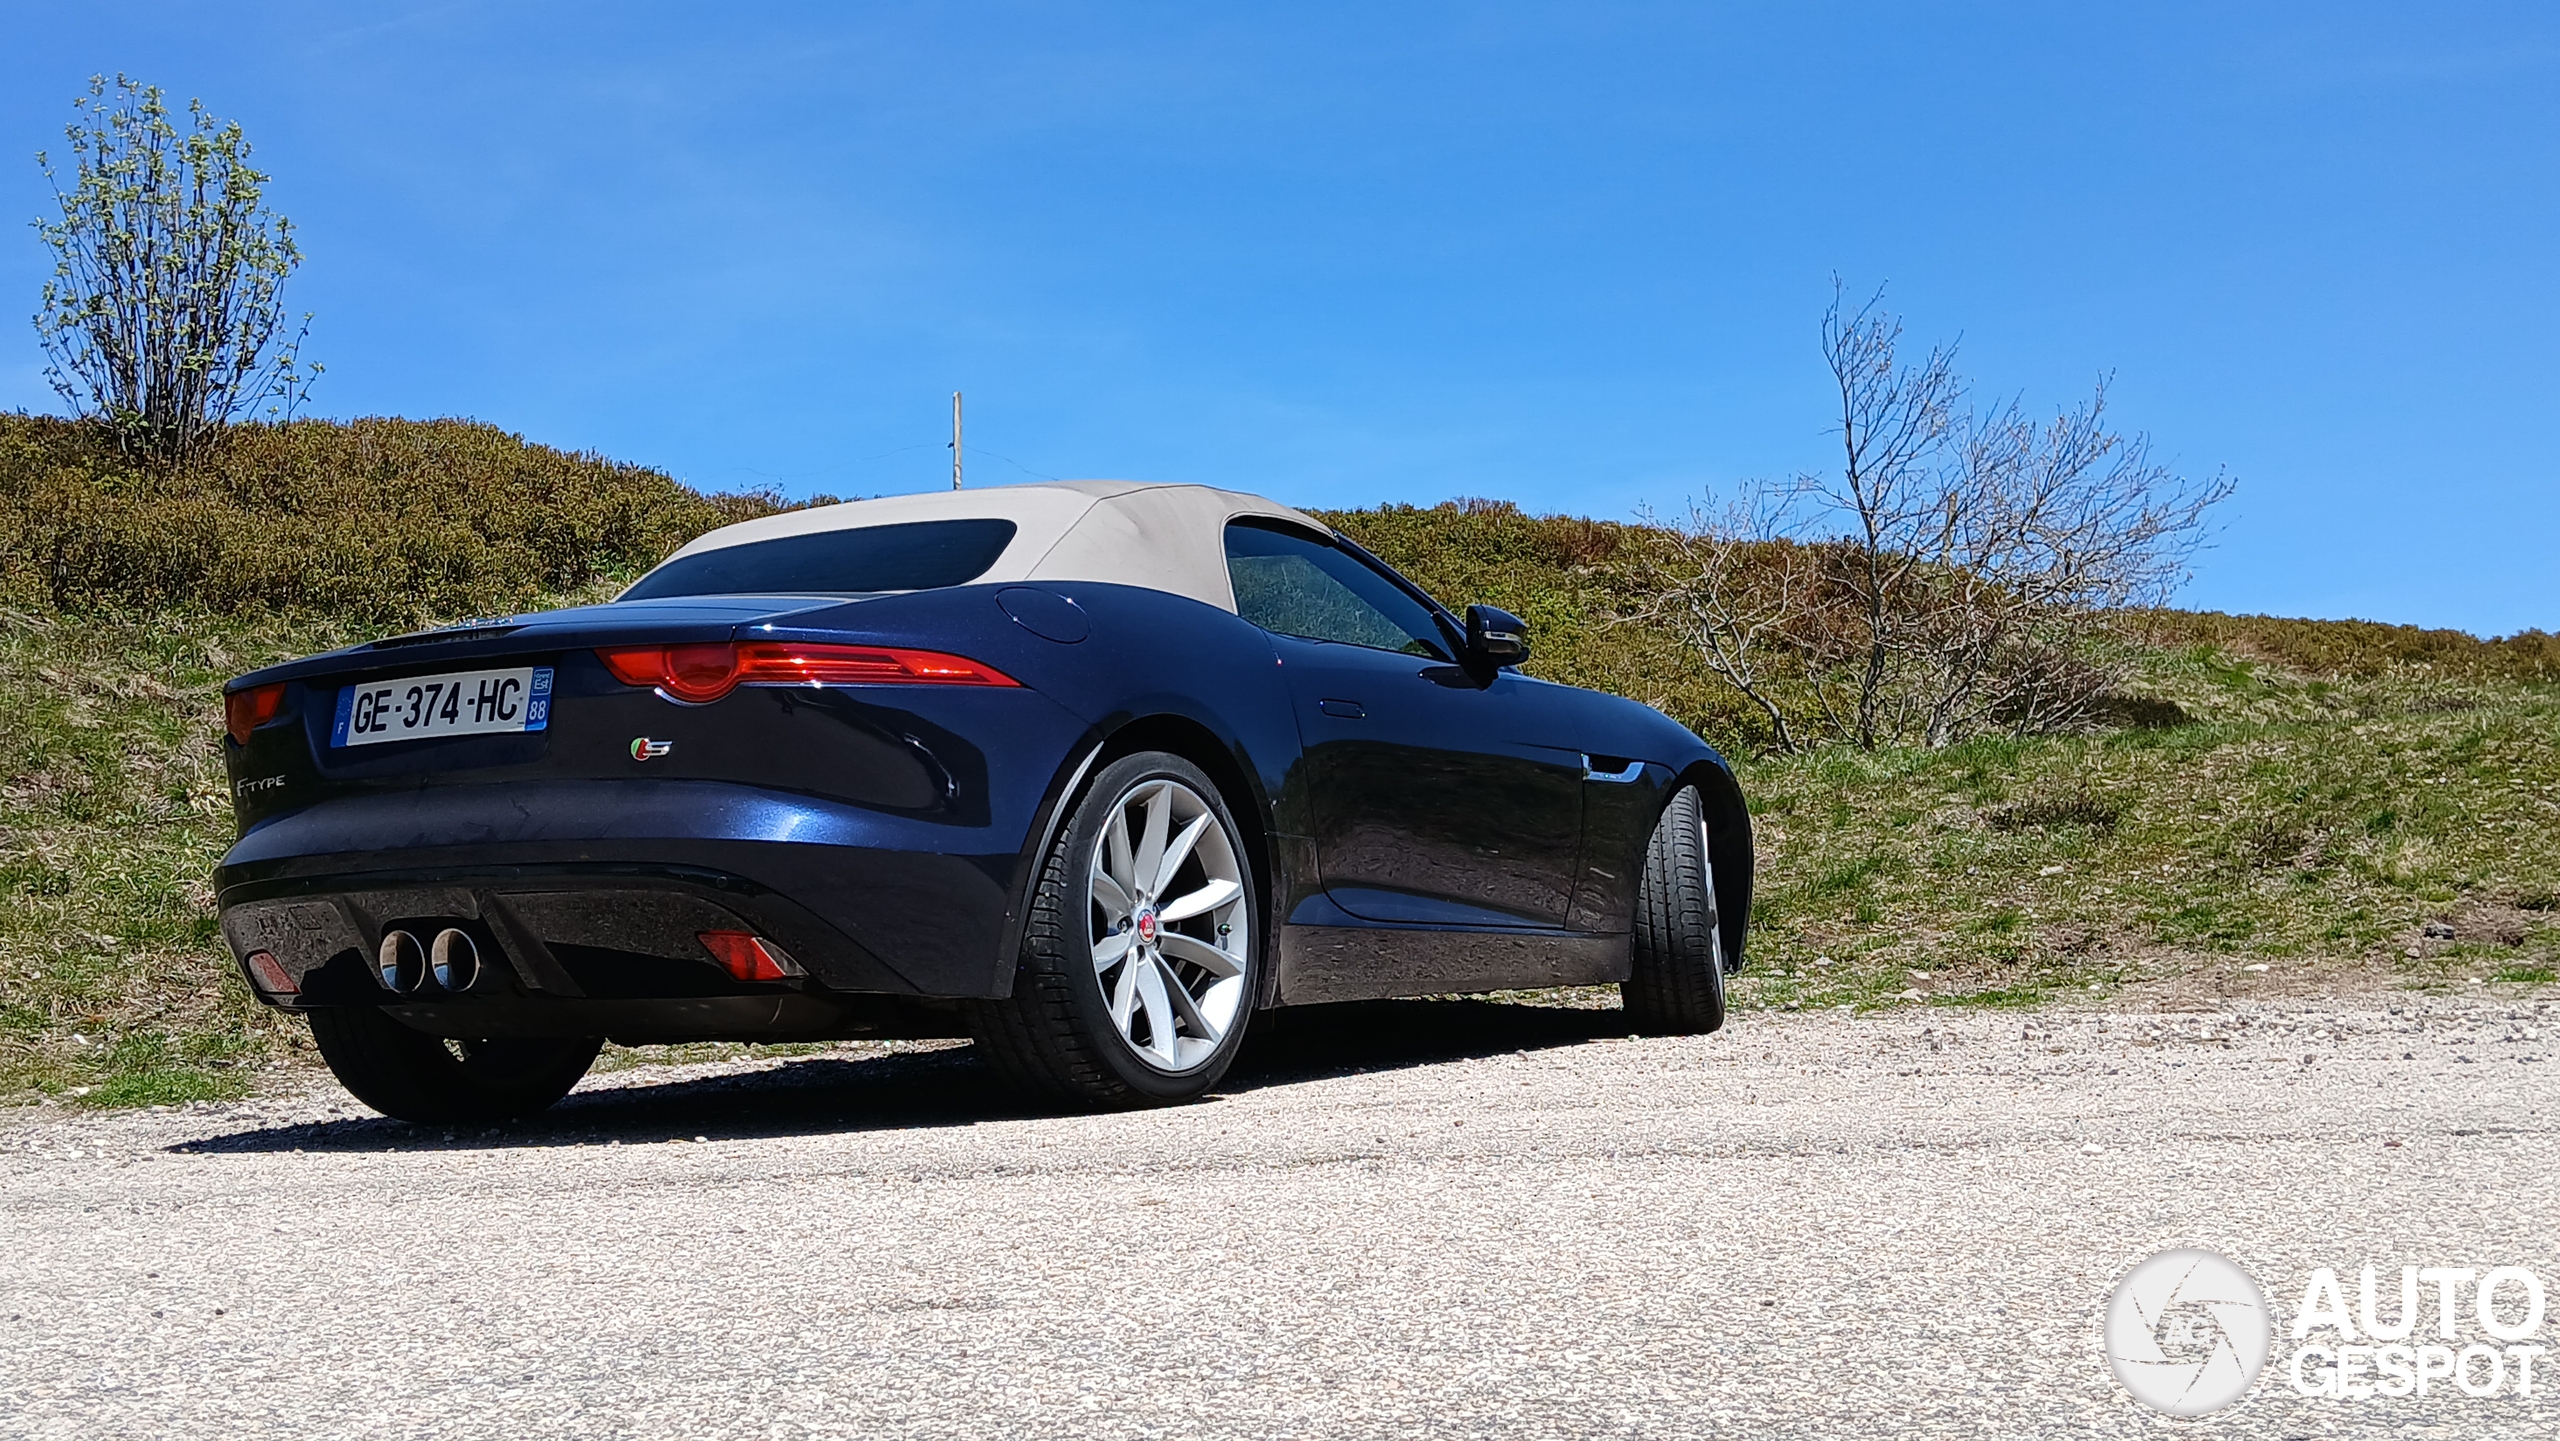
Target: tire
[(1675, 986), (1119, 1006), (412, 1076)]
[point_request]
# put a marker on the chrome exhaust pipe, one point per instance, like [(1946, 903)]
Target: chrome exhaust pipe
[(455, 960), (401, 963)]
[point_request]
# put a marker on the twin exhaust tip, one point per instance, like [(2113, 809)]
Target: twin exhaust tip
[(405, 964)]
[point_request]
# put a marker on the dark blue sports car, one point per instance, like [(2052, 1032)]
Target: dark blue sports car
[(1091, 772)]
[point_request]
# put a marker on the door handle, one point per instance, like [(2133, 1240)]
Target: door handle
[(1615, 769), (1344, 709)]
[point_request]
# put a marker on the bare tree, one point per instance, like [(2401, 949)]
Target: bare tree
[(163, 318), (1957, 574), (1746, 603), (1895, 425), (2067, 523)]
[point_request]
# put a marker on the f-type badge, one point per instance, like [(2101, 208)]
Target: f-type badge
[(645, 749)]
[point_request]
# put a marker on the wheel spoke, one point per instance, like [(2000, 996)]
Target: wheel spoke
[(1114, 898), (1160, 1014), (1180, 995), (1150, 855), (1178, 852), (1115, 846), (1201, 953), (1124, 995), (1111, 948), (1216, 893)]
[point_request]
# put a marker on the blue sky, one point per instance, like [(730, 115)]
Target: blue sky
[(1571, 255)]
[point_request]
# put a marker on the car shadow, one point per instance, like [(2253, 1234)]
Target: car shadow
[(1306, 1043), (946, 1087)]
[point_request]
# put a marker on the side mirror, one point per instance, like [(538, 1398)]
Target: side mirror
[(1496, 637)]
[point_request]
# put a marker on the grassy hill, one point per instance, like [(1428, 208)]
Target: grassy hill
[(2300, 803)]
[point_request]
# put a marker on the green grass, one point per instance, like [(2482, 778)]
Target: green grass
[(113, 982), (2320, 821), (2022, 997)]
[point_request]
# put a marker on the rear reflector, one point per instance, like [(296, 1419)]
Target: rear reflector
[(749, 957), (245, 710), (702, 673), (270, 975)]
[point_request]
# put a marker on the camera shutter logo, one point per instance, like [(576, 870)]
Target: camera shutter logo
[(2186, 1332)]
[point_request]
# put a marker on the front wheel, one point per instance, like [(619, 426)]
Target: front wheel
[(1675, 985), (1142, 950), (412, 1076)]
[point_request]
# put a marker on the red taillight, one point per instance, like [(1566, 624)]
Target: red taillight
[(779, 662), (696, 673), (744, 956), (245, 710), (700, 673)]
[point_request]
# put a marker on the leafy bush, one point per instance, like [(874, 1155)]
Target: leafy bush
[(375, 522), (164, 317)]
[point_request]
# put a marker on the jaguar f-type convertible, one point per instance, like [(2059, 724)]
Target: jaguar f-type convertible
[(1092, 772)]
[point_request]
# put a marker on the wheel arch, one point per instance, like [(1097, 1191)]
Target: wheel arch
[(1193, 741), (1729, 851)]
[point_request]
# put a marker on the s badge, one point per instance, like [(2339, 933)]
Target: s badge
[(645, 749)]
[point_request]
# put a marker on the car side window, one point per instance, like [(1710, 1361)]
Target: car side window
[(1291, 583)]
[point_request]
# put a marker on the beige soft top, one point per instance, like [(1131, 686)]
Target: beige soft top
[(1162, 537)]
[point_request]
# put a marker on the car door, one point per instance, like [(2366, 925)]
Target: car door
[(1437, 793)]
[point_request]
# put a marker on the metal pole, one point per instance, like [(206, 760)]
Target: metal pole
[(955, 440)]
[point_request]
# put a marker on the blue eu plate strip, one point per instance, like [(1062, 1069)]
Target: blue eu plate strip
[(346, 708)]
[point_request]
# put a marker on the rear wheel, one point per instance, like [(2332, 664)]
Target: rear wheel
[(1676, 984), (412, 1076), (1139, 958)]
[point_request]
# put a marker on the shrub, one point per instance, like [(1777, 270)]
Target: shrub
[(1962, 571), (376, 522), (164, 318), (2359, 647)]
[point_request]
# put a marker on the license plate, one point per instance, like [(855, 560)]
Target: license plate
[(459, 703)]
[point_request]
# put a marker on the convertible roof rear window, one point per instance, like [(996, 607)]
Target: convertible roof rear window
[(919, 555)]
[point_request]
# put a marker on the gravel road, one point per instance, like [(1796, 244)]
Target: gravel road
[(1523, 1223)]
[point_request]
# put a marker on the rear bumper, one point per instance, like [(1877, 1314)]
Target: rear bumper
[(597, 891)]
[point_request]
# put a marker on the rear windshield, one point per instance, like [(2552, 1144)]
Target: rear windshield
[(920, 555)]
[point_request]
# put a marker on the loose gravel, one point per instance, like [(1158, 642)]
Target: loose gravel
[(1411, 1219)]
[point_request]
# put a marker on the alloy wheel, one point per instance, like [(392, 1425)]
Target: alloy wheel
[(1168, 919)]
